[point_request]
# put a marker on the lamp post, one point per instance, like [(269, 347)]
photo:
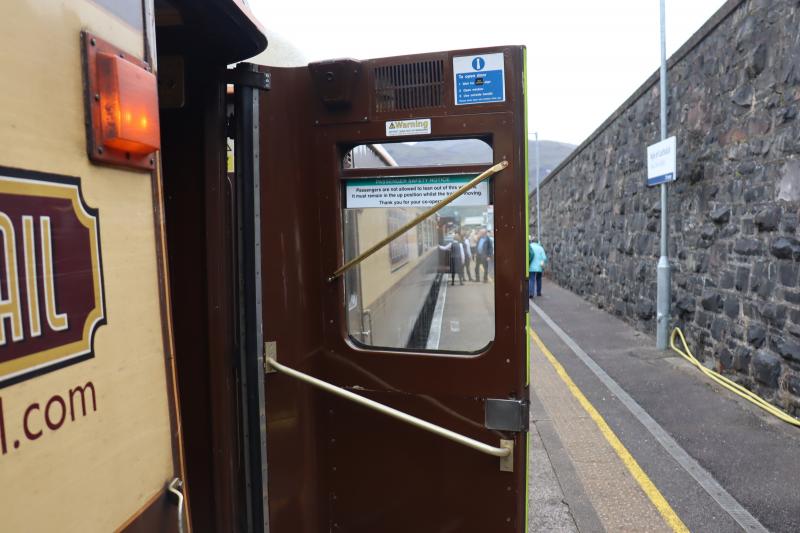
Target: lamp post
[(663, 270), (538, 216)]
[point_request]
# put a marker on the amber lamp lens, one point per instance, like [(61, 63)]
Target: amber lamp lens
[(128, 106)]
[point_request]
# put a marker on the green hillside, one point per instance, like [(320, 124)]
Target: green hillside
[(466, 151), (551, 153)]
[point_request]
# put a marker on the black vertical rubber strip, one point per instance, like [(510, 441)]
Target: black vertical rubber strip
[(251, 337)]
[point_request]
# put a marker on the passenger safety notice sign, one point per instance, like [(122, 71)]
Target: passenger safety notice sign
[(412, 191), (479, 79)]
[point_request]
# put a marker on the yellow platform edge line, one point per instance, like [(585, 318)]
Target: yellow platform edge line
[(647, 486)]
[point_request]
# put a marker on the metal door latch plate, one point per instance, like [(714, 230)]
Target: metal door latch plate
[(506, 415)]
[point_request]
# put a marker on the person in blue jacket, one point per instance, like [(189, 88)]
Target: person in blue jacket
[(537, 260)]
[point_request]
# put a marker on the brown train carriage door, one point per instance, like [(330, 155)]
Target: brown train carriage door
[(451, 355)]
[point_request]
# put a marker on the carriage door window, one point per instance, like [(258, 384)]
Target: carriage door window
[(431, 288)]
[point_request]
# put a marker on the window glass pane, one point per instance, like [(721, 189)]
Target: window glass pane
[(432, 288), (419, 154)]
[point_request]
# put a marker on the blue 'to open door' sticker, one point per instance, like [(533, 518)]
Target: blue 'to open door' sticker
[(479, 79)]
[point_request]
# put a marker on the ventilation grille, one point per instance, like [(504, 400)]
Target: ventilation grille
[(409, 86)]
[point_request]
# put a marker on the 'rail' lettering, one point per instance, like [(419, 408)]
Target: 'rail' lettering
[(10, 303)]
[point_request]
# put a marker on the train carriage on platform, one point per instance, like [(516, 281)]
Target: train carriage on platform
[(266, 343)]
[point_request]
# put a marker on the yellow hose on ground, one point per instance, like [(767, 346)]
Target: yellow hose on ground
[(727, 383)]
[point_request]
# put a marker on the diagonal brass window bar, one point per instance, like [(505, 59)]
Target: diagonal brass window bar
[(476, 180)]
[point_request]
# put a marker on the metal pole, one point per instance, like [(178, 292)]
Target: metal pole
[(538, 216), (663, 272)]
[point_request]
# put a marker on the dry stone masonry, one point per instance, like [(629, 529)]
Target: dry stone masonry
[(734, 213)]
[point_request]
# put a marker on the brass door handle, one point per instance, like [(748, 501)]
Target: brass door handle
[(372, 249), (505, 451)]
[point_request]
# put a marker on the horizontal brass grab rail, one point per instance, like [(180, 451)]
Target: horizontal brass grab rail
[(390, 411), (371, 250)]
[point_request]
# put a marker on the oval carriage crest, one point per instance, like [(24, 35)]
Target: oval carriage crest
[(51, 280)]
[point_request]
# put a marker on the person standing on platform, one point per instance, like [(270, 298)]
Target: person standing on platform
[(485, 251), (538, 259), (491, 258), (456, 259), (467, 256), (473, 242)]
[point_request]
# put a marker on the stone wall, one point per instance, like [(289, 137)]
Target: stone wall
[(734, 95)]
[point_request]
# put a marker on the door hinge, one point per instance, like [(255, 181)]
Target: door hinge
[(506, 415), (248, 75)]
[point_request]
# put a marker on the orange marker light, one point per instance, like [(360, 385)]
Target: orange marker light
[(128, 106)]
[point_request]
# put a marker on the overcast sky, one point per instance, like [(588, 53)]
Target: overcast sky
[(585, 57)]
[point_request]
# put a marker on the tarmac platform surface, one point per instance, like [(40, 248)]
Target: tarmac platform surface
[(628, 438)]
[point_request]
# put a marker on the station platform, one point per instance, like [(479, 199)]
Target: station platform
[(628, 438), (467, 315)]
